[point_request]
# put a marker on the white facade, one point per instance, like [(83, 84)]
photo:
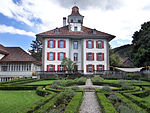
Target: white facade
[(76, 32)]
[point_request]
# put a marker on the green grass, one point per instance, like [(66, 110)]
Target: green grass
[(44, 82), (14, 101)]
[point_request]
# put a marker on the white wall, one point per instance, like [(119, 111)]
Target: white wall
[(56, 50), (72, 25), (95, 50)]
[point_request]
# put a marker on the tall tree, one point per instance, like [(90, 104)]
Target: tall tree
[(140, 52), (36, 50), (115, 59)]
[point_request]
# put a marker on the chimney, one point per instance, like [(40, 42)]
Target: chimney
[(64, 21)]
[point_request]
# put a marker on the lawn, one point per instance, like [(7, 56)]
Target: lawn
[(14, 101), (43, 82)]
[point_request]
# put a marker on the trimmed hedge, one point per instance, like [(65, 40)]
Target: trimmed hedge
[(18, 87), (105, 104), (41, 91), (139, 101), (130, 104), (74, 105), (38, 104), (137, 88)]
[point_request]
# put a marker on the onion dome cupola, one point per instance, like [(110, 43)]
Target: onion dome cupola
[(75, 20)]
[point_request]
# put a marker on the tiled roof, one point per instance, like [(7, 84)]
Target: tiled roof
[(16, 54), (65, 31), (3, 50)]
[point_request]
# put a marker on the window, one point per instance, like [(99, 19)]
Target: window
[(61, 68), (75, 28), (51, 44), (90, 44), (4, 68), (51, 67), (75, 45), (79, 21), (61, 43), (71, 20), (61, 56), (51, 56), (99, 44), (100, 68), (100, 57), (90, 68), (89, 56), (75, 56)]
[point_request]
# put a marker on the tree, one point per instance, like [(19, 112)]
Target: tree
[(115, 59), (140, 52), (69, 65), (36, 50)]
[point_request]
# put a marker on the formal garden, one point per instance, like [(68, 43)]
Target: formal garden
[(62, 95)]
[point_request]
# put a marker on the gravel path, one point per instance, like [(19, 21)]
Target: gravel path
[(89, 104)]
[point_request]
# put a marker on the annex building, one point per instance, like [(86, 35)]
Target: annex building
[(88, 47)]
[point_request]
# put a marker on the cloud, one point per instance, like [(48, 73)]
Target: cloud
[(12, 30), (85, 4)]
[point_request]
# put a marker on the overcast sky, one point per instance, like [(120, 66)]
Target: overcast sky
[(20, 20)]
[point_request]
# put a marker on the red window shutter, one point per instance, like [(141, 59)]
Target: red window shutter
[(86, 44), (96, 44), (93, 67), (103, 67), (54, 56), (47, 55), (58, 67), (53, 67), (64, 43), (87, 68), (92, 44), (58, 43), (58, 56), (97, 56), (64, 67), (103, 56), (48, 44), (47, 67), (64, 55), (102, 44), (54, 43), (86, 56), (93, 56), (97, 68)]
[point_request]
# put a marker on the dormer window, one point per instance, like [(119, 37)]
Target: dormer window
[(75, 28), (94, 31), (56, 30), (79, 21)]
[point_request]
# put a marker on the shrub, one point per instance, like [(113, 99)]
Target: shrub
[(127, 87), (75, 88), (74, 104), (81, 81), (106, 89), (133, 76), (132, 105), (105, 104), (41, 91), (114, 98), (124, 109)]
